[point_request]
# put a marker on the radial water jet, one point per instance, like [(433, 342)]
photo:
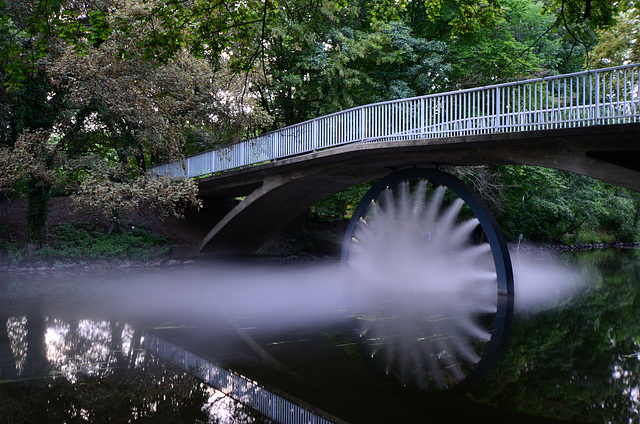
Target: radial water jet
[(429, 277), (430, 298)]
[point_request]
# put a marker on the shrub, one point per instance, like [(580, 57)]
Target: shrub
[(13, 251), (84, 240)]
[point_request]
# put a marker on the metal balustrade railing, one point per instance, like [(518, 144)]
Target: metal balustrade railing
[(598, 97), (276, 407)]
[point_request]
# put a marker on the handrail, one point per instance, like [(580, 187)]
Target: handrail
[(594, 97)]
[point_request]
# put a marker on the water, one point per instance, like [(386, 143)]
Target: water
[(72, 349), (419, 292), (579, 359), (574, 358)]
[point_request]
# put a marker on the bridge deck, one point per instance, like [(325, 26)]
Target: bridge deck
[(588, 123), (586, 99)]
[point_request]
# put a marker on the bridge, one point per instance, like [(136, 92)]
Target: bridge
[(586, 122)]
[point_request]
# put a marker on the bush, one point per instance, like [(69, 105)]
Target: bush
[(13, 251), (546, 205), (592, 236), (340, 206), (84, 240)]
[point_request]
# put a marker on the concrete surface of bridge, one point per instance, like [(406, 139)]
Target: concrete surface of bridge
[(587, 123), (277, 192)]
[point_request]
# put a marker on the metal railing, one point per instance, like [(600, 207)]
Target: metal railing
[(279, 408), (598, 97)]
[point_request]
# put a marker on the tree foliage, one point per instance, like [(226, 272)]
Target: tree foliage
[(618, 45), (96, 92), (558, 206), (324, 57)]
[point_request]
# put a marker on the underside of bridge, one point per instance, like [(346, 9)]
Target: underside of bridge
[(279, 191)]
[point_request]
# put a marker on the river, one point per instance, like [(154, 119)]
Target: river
[(72, 348)]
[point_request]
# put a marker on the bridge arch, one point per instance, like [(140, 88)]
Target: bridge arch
[(277, 192), (586, 122)]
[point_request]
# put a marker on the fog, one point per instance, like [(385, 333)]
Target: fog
[(414, 286)]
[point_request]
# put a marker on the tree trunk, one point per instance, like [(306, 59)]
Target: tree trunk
[(37, 212), (300, 230), (35, 363)]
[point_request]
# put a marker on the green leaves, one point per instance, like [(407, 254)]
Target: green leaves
[(619, 44), (554, 206), (466, 15), (84, 240), (338, 56), (106, 88)]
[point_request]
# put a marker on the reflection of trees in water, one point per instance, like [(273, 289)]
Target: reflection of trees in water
[(7, 360), (94, 371), (581, 360)]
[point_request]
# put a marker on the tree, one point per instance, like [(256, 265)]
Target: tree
[(558, 206), (319, 58), (501, 40), (113, 105), (618, 45), (497, 41), (578, 17), (159, 29), (128, 113)]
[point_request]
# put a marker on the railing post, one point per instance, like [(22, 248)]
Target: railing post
[(596, 115), (314, 134), (363, 124), (496, 120)]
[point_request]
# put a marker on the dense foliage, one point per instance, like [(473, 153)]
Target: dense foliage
[(86, 108), (557, 206)]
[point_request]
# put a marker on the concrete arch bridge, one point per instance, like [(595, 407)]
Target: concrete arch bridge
[(586, 122)]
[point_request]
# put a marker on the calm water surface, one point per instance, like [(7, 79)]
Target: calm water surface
[(71, 350), (580, 359)]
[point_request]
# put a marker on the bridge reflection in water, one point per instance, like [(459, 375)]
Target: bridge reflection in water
[(281, 408)]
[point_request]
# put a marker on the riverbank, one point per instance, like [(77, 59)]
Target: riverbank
[(78, 241), (81, 239), (127, 265)]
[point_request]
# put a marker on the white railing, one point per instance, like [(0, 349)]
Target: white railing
[(280, 408), (599, 97)]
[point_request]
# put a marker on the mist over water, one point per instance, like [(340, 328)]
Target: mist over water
[(419, 290), (542, 281), (272, 298), (283, 296)]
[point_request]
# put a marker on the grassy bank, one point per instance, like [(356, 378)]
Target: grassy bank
[(82, 241)]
